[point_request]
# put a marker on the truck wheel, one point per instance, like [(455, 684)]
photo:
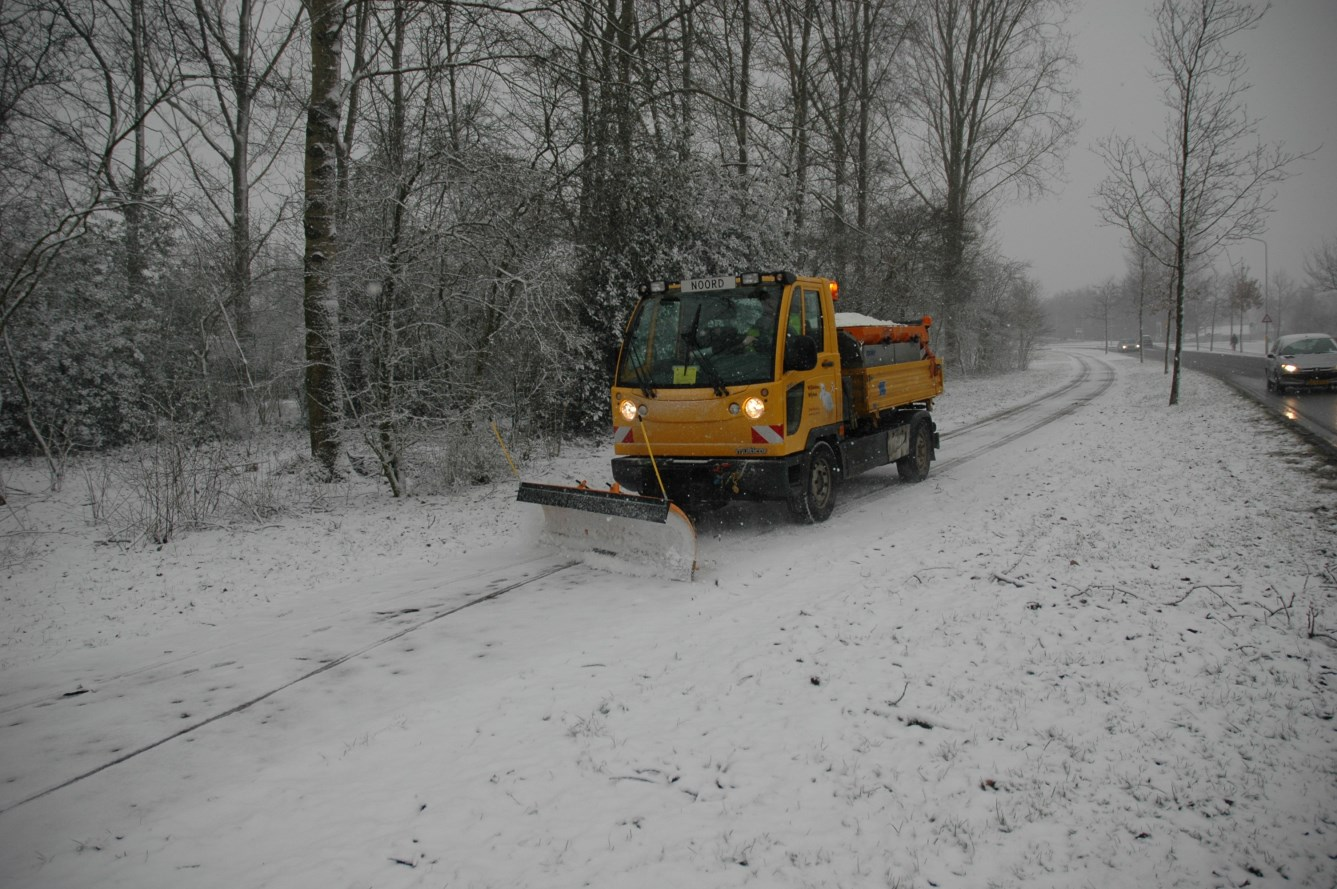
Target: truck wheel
[(817, 498), (913, 467)]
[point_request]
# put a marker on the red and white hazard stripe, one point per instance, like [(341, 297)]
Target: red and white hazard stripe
[(768, 434), (624, 435)]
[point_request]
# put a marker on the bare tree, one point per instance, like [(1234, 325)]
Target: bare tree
[(1244, 294), (858, 46), (1284, 291), (1106, 301), (235, 112), (1026, 315), (718, 60), (73, 94), (1321, 265), (1302, 308), (116, 87), (790, 23), (988, 108), (1209, 180), (1010, 306), (1146, 282)]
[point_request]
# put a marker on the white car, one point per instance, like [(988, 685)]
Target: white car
[(1302, 361)]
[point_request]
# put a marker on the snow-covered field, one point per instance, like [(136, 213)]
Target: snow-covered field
[(1099, 655)]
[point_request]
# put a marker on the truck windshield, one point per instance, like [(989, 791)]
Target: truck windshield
[(713, 340)]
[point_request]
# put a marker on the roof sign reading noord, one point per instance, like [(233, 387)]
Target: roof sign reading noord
[(716, 282)]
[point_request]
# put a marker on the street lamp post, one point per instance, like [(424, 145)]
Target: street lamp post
[(1266, 317)]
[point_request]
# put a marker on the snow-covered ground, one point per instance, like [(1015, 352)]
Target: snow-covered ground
[(1099, 655)]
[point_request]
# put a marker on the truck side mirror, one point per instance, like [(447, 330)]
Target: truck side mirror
[(800, 352)]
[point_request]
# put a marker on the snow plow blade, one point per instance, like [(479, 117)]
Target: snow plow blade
[(627, 533)]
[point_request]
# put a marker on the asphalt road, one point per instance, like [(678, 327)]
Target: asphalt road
[(1313, 414)]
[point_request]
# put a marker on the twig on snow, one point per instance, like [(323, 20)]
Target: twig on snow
[(1113, 591), (1311, 619), (1284, 607), (1202, 586)]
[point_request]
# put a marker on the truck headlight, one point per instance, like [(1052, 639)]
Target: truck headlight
[(754, 407), (629, 411)]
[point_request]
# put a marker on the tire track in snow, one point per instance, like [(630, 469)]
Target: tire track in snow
[(1085, 369), (1087, 377), (156, 670), (325, 666)]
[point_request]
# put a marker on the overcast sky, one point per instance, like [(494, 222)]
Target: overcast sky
[(1294, 75)]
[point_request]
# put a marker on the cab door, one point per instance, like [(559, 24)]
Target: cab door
[(813, 397)]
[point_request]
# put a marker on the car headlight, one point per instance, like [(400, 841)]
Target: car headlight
[(1290, 368)]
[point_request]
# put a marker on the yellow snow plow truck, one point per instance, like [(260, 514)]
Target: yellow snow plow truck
[(745, 387)]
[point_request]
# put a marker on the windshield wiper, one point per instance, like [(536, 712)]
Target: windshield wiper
[(642, 379), (693, 345)]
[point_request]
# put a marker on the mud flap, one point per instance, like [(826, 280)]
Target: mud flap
[(626, 533)]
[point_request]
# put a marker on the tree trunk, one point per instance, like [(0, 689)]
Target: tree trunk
[(135, 261), (321, 294), (744, 94), (863, 159), (244, 91)]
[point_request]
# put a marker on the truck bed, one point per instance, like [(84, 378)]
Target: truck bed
[(887, 366), (890, 386)]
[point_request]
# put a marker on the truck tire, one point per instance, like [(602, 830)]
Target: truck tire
[(913, 467), (816, 499)]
